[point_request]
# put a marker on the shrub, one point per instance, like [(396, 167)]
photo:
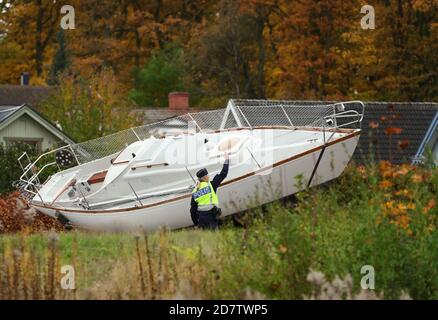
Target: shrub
[(89, 107), (380, 215), (9, 166)]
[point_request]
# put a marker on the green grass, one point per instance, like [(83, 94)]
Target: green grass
[(384, 216)]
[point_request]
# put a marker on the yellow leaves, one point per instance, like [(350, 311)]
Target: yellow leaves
[(389, 205), (417, 178), (385, 168), (430, 228), (389, 171), (405, 204), (404, 170), (402, 193), (93, 107), (191, 254), (385, 184), (282, 248), (402, 221), (14, 59), (430, 205), (401, 209), (398, 212), (392, 208), (423, 5), (276, 72)]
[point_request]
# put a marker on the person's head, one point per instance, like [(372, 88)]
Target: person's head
[(202, 175)]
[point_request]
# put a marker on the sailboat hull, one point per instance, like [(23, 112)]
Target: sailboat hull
[(267, 184)]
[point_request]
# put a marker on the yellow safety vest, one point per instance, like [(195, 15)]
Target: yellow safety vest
[(205, 196)]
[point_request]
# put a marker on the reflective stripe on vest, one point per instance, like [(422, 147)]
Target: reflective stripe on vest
[(205, 196)]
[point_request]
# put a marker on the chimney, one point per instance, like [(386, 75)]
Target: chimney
[(179, 101), (24, 79)]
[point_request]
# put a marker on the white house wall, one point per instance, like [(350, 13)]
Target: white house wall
[(27, 128)]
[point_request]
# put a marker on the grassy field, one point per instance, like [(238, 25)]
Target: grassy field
[(314, 247)]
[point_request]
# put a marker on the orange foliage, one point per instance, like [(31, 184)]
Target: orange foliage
[(403, 144), (311, 49), (393, 130), (399, 206), (16, 216)]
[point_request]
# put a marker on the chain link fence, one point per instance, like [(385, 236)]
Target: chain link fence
[(240, 113)]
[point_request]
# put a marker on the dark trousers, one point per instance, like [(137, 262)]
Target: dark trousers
[(208, 219)]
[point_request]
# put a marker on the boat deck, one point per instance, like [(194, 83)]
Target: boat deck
[(166, 168)]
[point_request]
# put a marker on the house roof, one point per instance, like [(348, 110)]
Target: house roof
[(15, 95), (152, 115), (413, 118), (10, 113), (6, 111)]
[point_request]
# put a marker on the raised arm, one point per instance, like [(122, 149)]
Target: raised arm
[(217, 180)]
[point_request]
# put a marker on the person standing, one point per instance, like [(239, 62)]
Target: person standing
[(204, 207)]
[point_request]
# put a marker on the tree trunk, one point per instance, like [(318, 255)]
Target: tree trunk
[(38, 39), (157, 19), (260, 86)]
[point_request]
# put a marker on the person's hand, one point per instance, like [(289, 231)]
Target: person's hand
[(226, 156)]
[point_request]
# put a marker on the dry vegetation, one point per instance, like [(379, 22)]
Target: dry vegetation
[(16, 216), (380, 215)]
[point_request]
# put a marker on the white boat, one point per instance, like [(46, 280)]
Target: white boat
[(142, 178)]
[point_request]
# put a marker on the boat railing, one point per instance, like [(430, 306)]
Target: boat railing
[(29, 182), (343, 118), (328, 117)]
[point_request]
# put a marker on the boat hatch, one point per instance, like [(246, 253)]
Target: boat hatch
[(128, 153), (230, 145)]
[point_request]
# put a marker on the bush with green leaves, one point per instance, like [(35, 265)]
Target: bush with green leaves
[(10, 169), (380, 215)]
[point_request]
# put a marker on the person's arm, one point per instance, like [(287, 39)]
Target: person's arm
[(194, 212), (217, 180)]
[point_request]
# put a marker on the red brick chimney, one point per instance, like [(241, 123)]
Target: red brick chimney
[(179, 101)]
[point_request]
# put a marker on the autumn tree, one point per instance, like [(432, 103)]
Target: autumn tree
[(232, 52), (60, 61), (408, 41), (89, 107), (125, 34), (307, 49), (31, 26), (163, 74), (311, 58)]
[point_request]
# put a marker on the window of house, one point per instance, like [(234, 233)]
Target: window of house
[(34, 143)]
